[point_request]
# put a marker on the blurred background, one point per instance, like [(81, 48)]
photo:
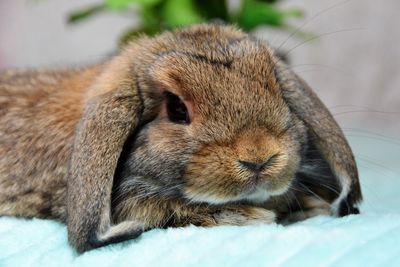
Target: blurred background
[(348, 51)]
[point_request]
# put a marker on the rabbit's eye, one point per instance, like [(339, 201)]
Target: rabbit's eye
[(176, 109)]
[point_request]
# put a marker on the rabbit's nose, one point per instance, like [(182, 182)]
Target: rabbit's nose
[(252, 166), (257, 166)]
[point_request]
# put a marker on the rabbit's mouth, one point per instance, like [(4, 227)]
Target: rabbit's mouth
[(261, 194), (256, 193)]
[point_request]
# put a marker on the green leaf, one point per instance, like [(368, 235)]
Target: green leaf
[(180, 13), (255, 13), (124, 4), (212, 9), (269, 1), (132, 34), (79, 15), (150, 17)]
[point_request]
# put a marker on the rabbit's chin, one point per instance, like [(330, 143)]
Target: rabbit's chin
[(258, 195)]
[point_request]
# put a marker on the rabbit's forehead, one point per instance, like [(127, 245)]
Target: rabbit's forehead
[(239, 89), (198, 74)]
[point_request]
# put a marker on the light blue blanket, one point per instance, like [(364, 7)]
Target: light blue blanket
[(369, 239)]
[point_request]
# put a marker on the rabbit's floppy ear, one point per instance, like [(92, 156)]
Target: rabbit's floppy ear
[(111, 112), (327, 136)]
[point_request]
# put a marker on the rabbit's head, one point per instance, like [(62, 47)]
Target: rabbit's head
[(218, 123), (220, 129), (205, 113)]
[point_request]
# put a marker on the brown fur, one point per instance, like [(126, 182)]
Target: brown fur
[(39, 111), (95, 147)]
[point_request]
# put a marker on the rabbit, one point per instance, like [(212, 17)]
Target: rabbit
[(202, 125)]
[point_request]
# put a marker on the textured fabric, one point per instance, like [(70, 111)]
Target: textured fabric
[(369, 239)]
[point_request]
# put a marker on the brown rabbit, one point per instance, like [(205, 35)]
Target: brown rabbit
[(200, 126)]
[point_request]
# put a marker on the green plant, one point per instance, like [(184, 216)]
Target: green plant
[(158, 15)]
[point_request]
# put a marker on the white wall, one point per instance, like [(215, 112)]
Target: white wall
[(358, 60), (35, 33), (354, 70)]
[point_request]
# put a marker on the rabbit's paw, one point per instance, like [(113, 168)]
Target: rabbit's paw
[(244, 215)]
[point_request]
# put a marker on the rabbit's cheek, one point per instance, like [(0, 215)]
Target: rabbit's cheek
[(159, 153), (210, 177)]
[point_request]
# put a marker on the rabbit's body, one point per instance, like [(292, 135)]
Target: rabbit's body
[(39, 111), (200, 126)]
